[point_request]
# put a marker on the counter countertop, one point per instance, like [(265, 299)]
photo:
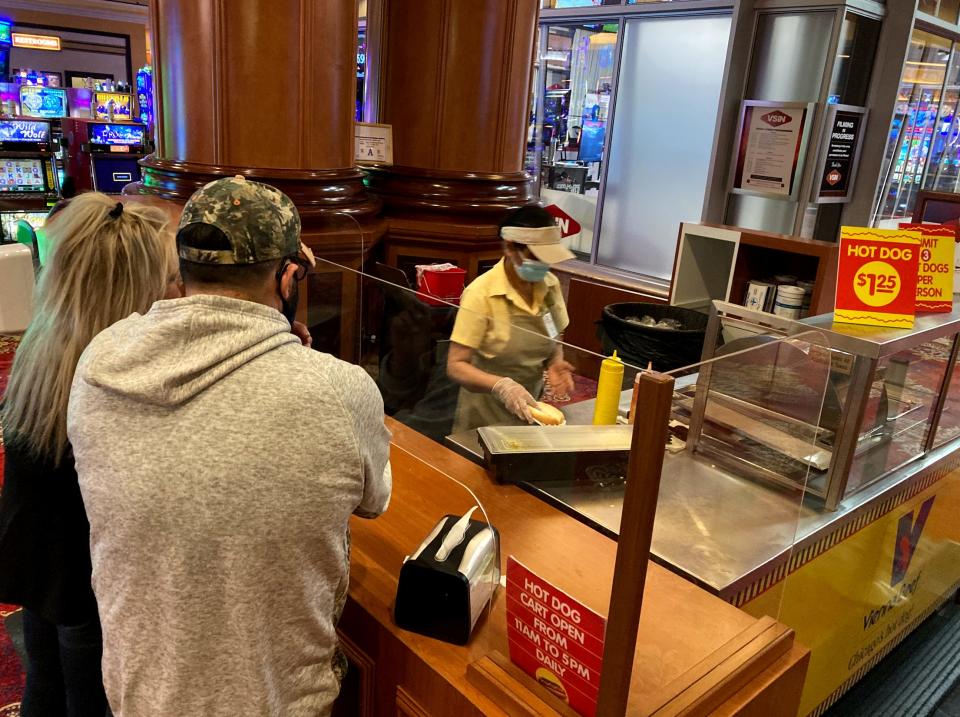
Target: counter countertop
[(681, 625)]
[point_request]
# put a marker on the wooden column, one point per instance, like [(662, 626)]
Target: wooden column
[(454, 82), (260, 87), (266, 88)]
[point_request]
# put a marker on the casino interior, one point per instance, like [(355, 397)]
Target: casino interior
[(748, 504)]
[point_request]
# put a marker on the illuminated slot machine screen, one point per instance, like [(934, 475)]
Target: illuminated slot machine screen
[(113, 171), (43, 102), (24, 176), (117, 135), (119, 102), (24, 136)]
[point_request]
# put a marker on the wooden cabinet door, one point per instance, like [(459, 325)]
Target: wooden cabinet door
[(356, 697), (407, 706)]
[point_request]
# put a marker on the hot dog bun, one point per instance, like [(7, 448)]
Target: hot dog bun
[(547, 415), (552, 683)]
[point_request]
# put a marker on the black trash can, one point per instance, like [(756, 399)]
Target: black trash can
[(667, 349)]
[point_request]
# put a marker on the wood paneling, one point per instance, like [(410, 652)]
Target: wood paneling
[(184, 41), (356, 698), (454, 82), (407, 706), (247, 83)]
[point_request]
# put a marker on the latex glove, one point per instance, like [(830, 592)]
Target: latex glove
[(303, 333), (515, 397), (560, 377)]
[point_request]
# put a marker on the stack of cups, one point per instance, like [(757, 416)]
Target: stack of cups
[(807, 287), (789, 302)]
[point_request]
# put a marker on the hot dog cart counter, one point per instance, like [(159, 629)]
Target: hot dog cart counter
[(811, 475)]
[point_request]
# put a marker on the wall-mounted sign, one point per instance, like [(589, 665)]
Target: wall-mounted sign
[(554, 638), (840, 153), (36, 42), (568, 225), (373, 143), (877, 277), (771, 146), (43, 102)]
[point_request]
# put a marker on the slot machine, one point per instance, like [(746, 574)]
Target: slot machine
[(103, 156), (28, 177)]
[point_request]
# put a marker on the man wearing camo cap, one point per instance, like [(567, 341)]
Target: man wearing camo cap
[(220, 461)]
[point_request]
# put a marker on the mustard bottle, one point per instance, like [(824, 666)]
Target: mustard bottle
[(608, 391)]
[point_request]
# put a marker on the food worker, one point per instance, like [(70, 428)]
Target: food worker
[(508, 327)]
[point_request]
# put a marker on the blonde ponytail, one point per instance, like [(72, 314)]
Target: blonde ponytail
[(104, 265)]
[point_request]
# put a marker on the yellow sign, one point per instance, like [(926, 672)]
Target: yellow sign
[(877, 277), (935, 278), (36, 42), (856, 601)]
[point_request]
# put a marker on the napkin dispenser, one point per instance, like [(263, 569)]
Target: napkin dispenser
[(449, 580)]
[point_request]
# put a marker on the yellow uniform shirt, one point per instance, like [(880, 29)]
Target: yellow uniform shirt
[(490, 306)]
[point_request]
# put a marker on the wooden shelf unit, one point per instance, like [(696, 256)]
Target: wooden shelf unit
[(714, 261)]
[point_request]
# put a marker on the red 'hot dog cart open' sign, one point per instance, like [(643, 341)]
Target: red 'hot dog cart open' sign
[(554, 638)]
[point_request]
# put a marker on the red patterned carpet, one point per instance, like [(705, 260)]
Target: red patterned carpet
[(11, 674)]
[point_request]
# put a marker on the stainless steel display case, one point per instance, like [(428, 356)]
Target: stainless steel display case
[(884, 399)]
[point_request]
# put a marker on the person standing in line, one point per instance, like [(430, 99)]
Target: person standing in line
[(220, 461), (107, 261)]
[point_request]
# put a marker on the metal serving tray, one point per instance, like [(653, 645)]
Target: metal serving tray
[(516, 454)]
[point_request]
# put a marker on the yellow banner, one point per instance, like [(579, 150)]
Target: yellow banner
[(858, 599)]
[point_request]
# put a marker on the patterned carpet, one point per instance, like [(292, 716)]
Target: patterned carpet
[(11, 673)]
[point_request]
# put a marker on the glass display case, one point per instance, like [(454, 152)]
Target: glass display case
[(885, 398)]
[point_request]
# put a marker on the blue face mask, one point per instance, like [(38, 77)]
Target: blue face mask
[(532, 271)]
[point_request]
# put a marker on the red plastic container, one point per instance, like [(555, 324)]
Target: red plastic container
[(441, 287)]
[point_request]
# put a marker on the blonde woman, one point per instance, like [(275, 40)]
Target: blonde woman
[(108, 260)]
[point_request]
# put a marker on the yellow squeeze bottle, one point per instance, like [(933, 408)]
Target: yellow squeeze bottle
[(608, 391)]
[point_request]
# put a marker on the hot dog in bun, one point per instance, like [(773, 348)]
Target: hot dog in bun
[(546, 414)]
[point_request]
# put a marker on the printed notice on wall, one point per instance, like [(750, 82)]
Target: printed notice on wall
[(770, 146), (554, 638), (373, 143), (841, 152)]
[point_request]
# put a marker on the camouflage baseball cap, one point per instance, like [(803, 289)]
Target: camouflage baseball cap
[(260, 222)]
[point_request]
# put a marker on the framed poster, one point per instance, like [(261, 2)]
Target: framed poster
[(771, 146), (840, 154), (373, 143)]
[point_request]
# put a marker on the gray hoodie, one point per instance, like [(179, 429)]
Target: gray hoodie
[(219, 462)]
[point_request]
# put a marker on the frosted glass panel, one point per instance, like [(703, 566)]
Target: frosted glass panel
[(667, 101)]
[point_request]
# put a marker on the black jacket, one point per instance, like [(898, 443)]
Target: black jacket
[(44, 538)]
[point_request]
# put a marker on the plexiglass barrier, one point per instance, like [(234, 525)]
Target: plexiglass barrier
[(748, 433)]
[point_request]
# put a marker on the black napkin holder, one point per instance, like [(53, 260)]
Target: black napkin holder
[(444, 599)]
